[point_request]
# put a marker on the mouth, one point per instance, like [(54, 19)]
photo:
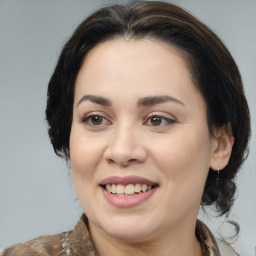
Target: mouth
[(128, 189), (127, 192)]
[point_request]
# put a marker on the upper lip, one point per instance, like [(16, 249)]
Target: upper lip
[(127, 180)]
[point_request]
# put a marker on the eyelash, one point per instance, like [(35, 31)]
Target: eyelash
[(168, 121), (87, 119)]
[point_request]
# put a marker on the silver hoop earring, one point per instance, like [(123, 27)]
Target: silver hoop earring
[(218, 177)]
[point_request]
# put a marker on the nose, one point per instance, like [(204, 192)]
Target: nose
[(125, 147)]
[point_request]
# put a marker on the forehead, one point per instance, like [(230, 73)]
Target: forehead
[(138, 52), (135, 66)]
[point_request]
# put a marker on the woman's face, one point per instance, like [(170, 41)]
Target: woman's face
[(139, 124)]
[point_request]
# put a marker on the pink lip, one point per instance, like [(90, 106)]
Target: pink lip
[(127, 201), (127, 180)]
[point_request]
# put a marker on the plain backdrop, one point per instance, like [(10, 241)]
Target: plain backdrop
[(36, 191)]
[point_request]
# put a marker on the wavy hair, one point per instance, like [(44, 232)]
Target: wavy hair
[(214, 70)]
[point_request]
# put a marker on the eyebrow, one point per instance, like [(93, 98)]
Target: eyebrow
[(153, 100), (95, 99), (145, 101)]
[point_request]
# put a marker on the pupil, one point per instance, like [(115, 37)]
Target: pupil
[(96, 120), (156, 120)]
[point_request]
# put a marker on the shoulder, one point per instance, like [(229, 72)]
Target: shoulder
[(75, 242), (210, 244), (207, 240), (226, 249), (40, 246)]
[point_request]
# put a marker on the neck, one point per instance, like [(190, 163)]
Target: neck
[(179, 242)]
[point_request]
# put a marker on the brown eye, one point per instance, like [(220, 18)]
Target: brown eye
[(156, 121), (96, 120)]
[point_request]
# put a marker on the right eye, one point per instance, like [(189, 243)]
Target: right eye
[(95, 120)]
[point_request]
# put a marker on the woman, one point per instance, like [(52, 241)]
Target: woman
[(148, 105)]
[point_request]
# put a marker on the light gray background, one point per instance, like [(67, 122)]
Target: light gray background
[(36, 193)]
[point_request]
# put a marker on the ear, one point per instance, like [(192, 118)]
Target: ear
[(222, 147)]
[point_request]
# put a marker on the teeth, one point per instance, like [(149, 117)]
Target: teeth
[(109, 188), (137, 188), (120, 189), (113, 188), (129, 189), (144, 187)]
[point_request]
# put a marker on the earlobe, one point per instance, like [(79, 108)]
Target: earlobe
[(222, 148)]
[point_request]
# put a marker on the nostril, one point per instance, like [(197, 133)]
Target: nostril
[(121, 160), (125, 152), (123, 163)]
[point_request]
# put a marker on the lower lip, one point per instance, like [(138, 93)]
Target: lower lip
[(127, 201)]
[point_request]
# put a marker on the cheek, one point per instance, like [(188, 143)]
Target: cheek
[(83, 150), (184, 160), (84, 158)]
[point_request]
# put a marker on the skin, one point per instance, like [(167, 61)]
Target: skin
[(127, 141)]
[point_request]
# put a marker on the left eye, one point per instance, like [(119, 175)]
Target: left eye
[(94, 120), (159, 121)]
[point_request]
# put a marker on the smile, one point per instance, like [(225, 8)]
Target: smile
[(127, 190)]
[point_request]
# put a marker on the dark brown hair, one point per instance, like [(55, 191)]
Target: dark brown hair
[(215, 72)]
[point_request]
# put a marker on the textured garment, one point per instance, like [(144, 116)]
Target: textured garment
[(78, 243)]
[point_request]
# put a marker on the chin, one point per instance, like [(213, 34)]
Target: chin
[(129, 234), (129, 228)]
